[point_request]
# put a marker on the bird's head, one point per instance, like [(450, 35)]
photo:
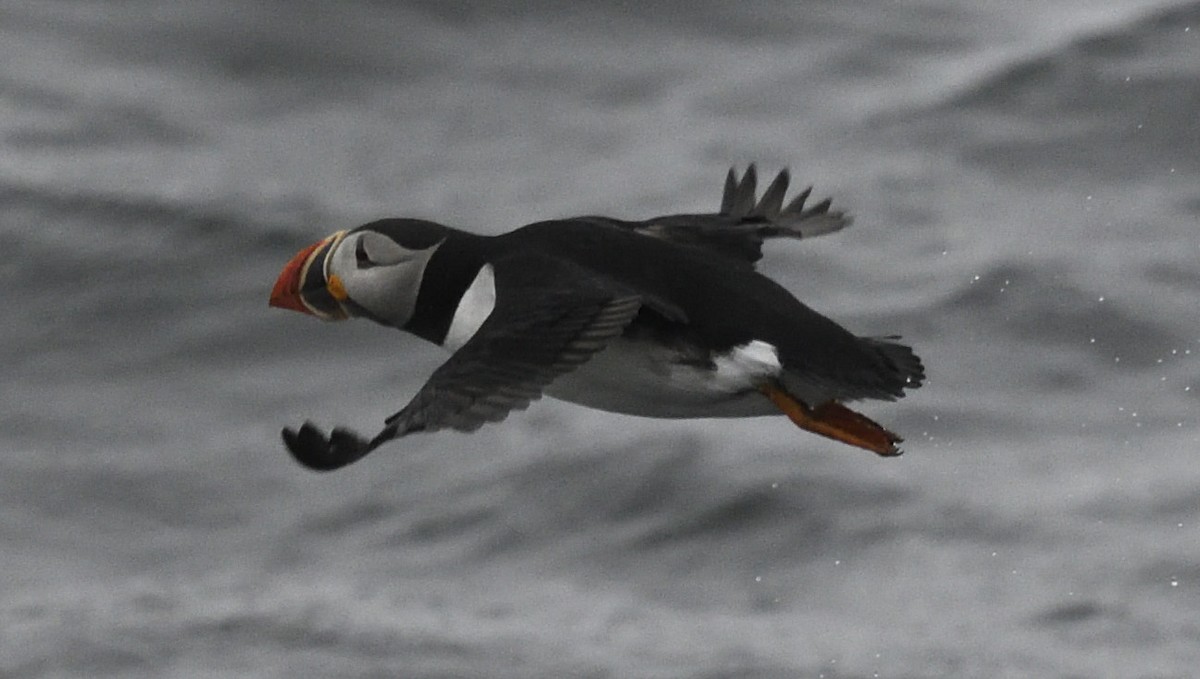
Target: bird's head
[(373, 271)]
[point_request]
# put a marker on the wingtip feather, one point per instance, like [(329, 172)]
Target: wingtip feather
[(797, 204), (771, 203), (730, 193), (743, 201)]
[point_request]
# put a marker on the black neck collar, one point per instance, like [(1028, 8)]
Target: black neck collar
[(447, 276)]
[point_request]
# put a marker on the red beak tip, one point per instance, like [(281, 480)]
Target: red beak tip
[(286, 292)]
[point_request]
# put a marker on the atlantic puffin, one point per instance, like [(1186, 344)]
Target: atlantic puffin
[(663, 318)]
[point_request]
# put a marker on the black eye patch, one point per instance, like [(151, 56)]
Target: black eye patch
[(361, 258)]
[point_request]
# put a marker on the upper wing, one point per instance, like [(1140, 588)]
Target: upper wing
[(535, 334), (744, 221), (550, 316)]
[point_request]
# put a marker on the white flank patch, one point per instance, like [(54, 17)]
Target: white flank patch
[(473, 309), (746, 365)]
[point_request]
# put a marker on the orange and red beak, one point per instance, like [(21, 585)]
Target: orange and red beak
[(306, 286)]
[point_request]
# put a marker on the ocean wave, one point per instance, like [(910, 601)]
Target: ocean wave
[(78, 219), (1042, 305), (653, 503), (1112, 105)]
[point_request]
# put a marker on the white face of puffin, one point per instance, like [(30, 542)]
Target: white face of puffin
[(363, 272), (369, 271)]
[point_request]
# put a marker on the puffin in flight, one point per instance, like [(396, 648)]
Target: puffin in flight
[(665, 318)]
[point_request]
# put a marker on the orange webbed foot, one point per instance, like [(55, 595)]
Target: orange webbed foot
[(836, 421)]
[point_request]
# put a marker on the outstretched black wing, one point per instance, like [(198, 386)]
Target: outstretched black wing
[(550, 317), (745, 221)]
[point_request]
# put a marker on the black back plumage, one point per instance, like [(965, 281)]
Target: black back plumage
[(729, 306), (695, 274)]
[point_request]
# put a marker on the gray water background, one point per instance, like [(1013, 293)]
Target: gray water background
[(1024, 177)]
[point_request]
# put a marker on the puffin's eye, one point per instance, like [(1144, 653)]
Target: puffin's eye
[(361, 257), (373, 249)]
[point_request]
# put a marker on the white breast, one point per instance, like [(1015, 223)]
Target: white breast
[(473, 309), (641, 378)]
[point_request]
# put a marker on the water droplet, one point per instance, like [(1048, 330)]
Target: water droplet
[(758, 578)]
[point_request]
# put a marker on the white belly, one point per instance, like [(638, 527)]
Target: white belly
[(638, 378)]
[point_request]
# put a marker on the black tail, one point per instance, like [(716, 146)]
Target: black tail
[(905, 367)]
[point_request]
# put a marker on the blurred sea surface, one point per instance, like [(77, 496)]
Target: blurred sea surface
[(1025, 178)]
